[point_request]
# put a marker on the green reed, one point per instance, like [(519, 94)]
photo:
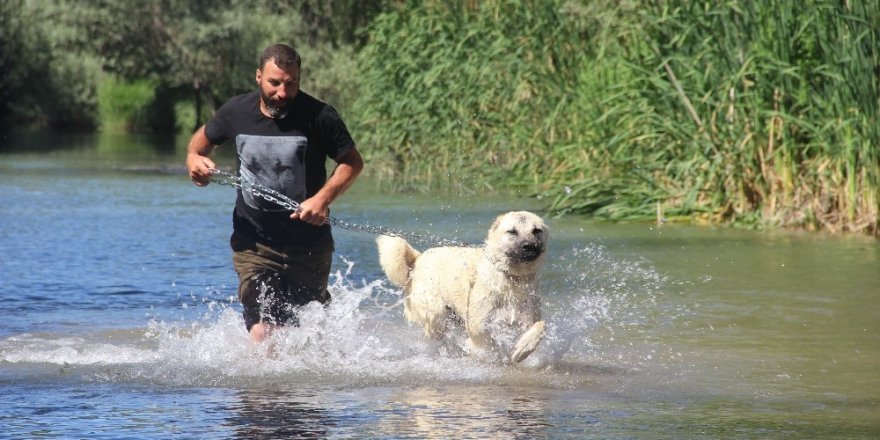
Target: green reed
[(746, 112), (123, 105), (777, 96)]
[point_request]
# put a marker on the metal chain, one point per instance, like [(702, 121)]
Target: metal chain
[(225, 178)]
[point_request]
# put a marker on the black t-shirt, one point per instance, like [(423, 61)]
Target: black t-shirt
[(287, 155)]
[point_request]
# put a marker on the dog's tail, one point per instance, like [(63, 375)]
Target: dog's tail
[(397, 258)]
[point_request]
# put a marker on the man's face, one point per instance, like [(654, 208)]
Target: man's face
[(277, 87)]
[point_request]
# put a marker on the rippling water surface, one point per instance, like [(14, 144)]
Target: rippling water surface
[(118, 318)]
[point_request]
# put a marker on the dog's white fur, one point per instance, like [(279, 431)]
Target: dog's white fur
[(485, 287)]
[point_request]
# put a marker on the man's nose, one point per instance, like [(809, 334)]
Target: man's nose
[(281, 92)]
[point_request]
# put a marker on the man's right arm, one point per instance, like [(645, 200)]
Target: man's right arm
[(198, 158)]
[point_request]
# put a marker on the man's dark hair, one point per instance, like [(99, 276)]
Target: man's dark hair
[(283, 55)]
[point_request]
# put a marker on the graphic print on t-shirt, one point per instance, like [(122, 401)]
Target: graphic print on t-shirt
[(276, 162)]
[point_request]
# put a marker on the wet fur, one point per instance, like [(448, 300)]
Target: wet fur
[(496, 284)]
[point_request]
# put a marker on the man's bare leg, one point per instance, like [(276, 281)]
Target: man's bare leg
[(261, 331)]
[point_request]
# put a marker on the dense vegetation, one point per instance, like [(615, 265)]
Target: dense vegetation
[(161, 65), (757, 113), (752, 112)]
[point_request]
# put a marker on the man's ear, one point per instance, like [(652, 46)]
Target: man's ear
[(259, 75)]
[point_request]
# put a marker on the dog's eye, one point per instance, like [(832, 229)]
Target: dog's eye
[(512, 232), (537, 231)]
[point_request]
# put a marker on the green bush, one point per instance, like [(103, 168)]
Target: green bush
[(124, 106), (748, 112), (43, 82), (467, 95), (745, 112)]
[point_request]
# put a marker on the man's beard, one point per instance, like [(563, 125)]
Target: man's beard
[(277, 108)]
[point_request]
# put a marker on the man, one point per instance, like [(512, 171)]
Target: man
[(283, 137)]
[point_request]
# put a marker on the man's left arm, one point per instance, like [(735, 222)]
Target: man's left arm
[(316, 209)]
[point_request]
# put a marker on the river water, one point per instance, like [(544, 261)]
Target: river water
[(118, 318)]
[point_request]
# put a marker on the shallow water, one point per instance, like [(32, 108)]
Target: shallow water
[(119, 318)]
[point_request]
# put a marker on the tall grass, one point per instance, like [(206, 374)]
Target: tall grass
[(451, 89), (124, 106), (753, 112), (748, 112)]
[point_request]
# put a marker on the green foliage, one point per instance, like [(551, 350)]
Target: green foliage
[(748, 112), (184, 116), (44, 82), (742, 111), (53, 54), (125, 106), (468, 94), (205, 52), (13, 40)]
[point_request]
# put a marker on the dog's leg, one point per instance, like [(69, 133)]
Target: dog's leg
[(427, 311), (480, 341), (484, 347), (528, 342)]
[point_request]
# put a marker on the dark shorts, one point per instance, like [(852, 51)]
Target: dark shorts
[(272, 282)]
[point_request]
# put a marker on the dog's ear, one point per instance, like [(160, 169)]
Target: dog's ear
[(544, 226), (496, 223)]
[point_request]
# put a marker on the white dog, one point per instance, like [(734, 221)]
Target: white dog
[(487, 289)]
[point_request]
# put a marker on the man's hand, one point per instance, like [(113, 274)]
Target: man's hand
[(316, 210), (312, 211), (199, 169), (198, 163)]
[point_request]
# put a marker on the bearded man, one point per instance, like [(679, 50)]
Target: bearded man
[(282, 136)]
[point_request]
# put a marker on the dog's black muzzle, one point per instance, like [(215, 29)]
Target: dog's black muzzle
[(529, 251)]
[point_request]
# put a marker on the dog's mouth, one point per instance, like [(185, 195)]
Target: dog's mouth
[(528, 252)]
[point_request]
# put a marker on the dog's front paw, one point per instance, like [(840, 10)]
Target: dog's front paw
[(528, 342)]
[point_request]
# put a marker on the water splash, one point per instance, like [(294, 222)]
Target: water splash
[(596, 306), (607, 315)]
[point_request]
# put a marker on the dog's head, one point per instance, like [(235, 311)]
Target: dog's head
[(518, 238)]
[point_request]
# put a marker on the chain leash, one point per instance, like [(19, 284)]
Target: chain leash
[(225, 178)]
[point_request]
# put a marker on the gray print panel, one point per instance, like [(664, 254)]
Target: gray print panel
[(276, 162)]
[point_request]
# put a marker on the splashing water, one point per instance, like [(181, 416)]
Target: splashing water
[(362, 339)]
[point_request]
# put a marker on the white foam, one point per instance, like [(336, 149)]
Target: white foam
[(362, 338)]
